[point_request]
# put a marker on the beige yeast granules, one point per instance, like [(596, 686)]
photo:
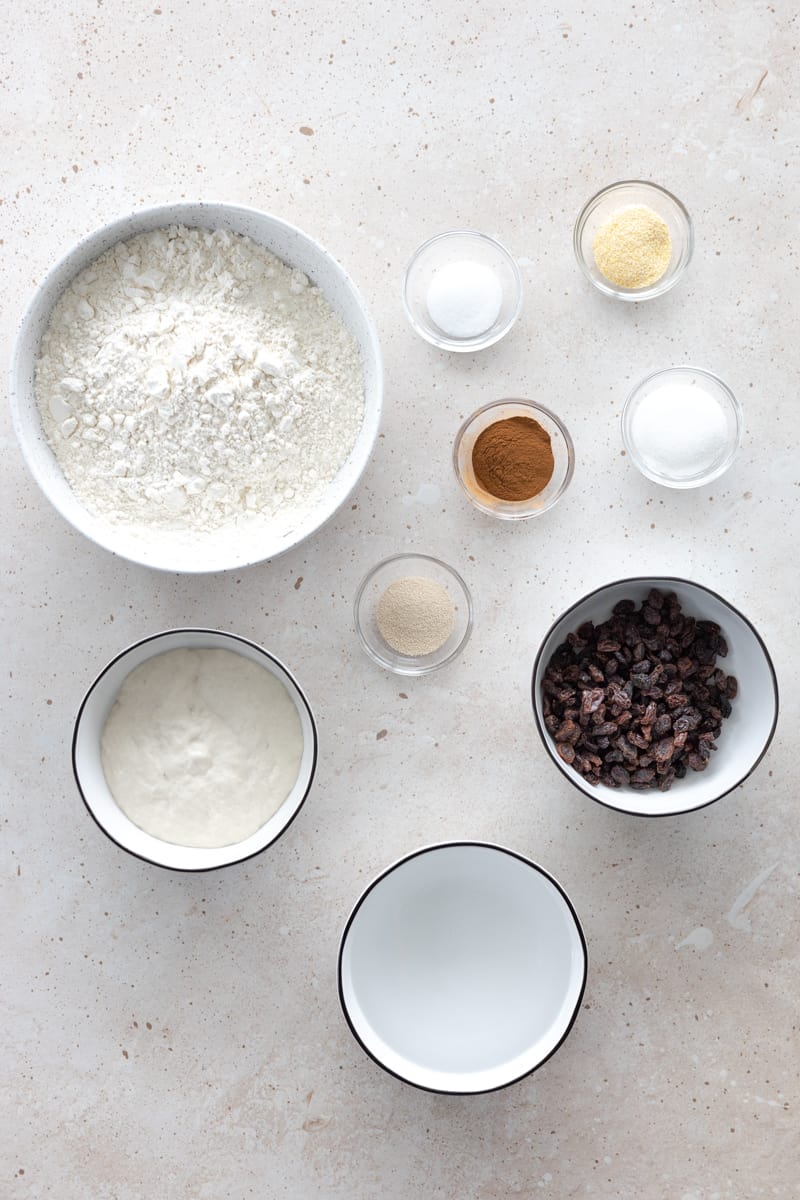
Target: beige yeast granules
[(415, 616), (633, 247)]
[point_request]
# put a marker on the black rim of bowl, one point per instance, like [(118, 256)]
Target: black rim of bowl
[(652, 581), (432, 848), (166, 633)]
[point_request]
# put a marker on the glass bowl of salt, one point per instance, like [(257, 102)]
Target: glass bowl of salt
[(413, 614), (682, 427), (462, 291)]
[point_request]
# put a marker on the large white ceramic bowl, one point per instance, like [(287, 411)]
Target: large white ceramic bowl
[(462, 967), (746, 733), (91, 781), (180, 551)]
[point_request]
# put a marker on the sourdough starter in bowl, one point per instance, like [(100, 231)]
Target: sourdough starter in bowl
[(190, 380), (201, 747)]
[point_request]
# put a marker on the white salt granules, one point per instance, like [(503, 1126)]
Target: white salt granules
[(679, 430), (464, 299), (189, 379)]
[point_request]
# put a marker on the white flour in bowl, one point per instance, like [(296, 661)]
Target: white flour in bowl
[(189, 379)]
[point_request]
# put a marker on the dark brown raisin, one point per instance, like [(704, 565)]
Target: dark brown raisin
[(664, 750), (640, 692), (591, 700), (568, 731)]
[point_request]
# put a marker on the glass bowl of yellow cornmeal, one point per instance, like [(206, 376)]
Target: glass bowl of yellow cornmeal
[(633, 240)]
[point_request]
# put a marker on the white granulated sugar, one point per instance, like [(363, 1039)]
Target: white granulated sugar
[(680, 429), (189, 379)]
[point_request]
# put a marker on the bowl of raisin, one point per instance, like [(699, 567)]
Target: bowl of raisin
[(654, 696)]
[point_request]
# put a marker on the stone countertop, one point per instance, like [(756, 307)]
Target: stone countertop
[(180, 1036)]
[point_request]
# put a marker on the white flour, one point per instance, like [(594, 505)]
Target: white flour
[(188, 379), (201, 747)]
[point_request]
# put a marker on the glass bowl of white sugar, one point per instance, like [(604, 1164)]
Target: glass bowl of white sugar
[(194, 749), (682, 427), (462, 291), (413, 614)]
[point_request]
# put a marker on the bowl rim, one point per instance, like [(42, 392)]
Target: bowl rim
[(652, 581), (628, 294), (168, 633), (433, 847), (627, 440), (168, 213), (362, 587), (458, 345), (523, 403)]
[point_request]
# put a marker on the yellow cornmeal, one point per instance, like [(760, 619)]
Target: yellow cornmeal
[(633, 247)]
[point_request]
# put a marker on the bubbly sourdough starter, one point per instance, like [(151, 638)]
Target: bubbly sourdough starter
[(201, 747)]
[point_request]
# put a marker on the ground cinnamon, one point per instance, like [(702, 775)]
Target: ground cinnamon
[(513, 459)]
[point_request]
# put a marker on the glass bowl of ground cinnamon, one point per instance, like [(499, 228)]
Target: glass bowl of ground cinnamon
[(514, 459), (633, 240)]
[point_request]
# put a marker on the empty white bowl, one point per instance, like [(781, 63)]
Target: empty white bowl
[(91, 781), (745, 734), (225, 548), (462, 967)]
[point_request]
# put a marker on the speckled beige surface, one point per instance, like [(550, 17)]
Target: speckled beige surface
[(176, 1037)]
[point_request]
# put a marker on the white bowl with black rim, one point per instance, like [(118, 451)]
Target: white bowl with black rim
[(745, 734), (196, 550), (91, 781), (462, 968)]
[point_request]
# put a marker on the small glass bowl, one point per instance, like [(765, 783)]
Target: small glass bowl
[(619, 195), (403, 566), (452, 247), (731, 408), (563, 453)]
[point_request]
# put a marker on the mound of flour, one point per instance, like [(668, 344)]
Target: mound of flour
[(189, 379)]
